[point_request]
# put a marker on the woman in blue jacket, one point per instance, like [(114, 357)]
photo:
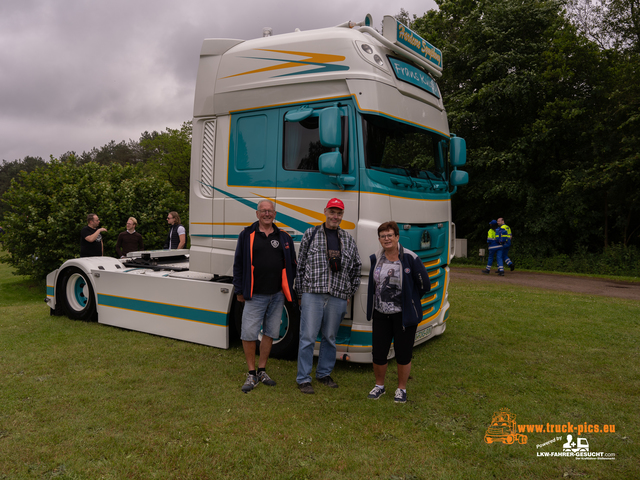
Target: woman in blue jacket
[(397, 282)]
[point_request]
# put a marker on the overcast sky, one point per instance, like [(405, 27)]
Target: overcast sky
[(76, 74)]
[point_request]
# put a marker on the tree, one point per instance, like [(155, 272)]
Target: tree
[(170, 155), (47, 208), (124, 153), (524, 89), (612, 24), (614, 172), (10, 170)]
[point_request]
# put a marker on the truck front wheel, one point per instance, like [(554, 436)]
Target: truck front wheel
[(78, 299), (286, 345)]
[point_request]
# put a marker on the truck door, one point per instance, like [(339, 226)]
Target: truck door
[(303, 190), (251, 174)]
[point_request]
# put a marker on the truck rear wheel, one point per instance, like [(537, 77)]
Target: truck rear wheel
[(78, 299), (286, 345)]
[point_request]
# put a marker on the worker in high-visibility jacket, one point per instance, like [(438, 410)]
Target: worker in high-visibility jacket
[(494, 239), (506, 244)]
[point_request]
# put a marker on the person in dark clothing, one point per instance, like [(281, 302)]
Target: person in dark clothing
[(394, 303), (91, 237), (177, 237), (129, 240), (264, 269)]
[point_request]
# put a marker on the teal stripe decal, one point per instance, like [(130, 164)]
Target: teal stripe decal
[(166, 310), (50, 291), (361, 339)]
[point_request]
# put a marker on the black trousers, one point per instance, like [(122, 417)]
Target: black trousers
[(387, 328)]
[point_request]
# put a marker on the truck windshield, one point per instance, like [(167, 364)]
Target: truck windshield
[(401, 149)]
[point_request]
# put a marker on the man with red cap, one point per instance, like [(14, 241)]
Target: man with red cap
[(328, 275)]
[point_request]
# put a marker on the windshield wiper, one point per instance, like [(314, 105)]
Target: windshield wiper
[(405, 170)]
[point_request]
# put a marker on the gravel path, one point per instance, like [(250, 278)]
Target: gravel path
[(590, 286)]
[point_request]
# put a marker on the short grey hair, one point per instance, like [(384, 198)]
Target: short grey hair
[(273, 205)]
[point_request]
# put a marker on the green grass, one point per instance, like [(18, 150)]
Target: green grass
[(87, 401)]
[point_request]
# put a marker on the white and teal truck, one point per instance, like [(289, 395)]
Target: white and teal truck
[(296, 118)]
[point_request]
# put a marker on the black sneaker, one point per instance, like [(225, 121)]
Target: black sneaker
[(250, 383), (306, 388), (328, 382), (266, 379), (501, 273), (512, 267), (485, 271), (400, 396), (376, 393)]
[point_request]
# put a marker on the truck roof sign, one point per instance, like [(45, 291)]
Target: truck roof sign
[(414, 76), (401, 35)]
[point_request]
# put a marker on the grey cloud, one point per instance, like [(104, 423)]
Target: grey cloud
[(76, 74)]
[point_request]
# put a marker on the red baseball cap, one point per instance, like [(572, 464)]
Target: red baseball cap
[(335, 203)]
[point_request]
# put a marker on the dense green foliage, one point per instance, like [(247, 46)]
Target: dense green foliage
[(47, 208), (551, 122), (169, 155), (123, 153), (10, 170)]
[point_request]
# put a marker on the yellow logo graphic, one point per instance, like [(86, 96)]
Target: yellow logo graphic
[(504, 429)]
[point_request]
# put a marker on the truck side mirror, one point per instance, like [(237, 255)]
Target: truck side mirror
[(330, 163), (298, 115), (459, 178), (458, 151), (330, 127)]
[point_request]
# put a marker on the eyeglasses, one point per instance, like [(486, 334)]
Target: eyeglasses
[(385, 237), (265, 212)]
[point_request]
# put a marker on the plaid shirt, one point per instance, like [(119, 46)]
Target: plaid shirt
[(314, 274)]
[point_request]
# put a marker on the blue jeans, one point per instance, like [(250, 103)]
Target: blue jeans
[(321, 313), (262, 311)]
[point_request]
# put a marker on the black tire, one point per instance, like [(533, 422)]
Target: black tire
[(286, 346), (237, 308), (76, 295)]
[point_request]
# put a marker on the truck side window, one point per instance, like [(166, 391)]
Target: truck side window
[(302, 146), (251, 146)]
